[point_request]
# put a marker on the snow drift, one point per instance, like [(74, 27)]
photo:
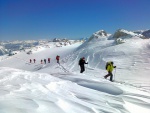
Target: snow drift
[(52, 88)]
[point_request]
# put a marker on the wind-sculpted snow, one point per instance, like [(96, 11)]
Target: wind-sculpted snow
[(25, 92), (131, 58), (99, 86), (61, 88), (103, 87)]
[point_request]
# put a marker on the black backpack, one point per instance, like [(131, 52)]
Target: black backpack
[(80, 61), (107, 64)]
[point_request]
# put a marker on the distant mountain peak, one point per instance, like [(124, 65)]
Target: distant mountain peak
[(3, 50), (123, 33), (101, 33), (98, 34), (146, 33)]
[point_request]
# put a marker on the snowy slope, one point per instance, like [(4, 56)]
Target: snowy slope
[(125, 34), (21, 60), (132, 59), (26, 92), (145, 33), (54, 88)]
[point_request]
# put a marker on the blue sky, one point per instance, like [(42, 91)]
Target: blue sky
[(73, 19)]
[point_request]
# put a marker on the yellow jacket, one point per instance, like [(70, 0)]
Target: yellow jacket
[(110, 67)]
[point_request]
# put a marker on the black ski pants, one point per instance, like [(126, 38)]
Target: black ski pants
[(82, 68), (58, 61), (109, 74)]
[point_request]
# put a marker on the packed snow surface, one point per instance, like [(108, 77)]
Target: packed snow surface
[(60, 88)]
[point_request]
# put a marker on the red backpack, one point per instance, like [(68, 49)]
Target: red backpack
[(57, 57)]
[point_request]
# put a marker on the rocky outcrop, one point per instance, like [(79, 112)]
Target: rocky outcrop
[(98, 34), (3, 50), (146, 34), (121, 33)]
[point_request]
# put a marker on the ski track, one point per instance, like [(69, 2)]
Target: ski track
[(46, 93)]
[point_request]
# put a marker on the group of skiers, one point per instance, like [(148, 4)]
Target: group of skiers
[(44, 61), (33, 60), (109, 68)]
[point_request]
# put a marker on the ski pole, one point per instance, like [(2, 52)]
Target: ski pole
[(114, 74), (87, 68)]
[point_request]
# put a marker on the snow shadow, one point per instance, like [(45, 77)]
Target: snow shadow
[(99, 86), (103, 87)]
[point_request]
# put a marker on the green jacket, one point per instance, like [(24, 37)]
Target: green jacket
[(110, 67)]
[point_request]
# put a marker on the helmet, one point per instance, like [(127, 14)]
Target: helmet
[(83, 58)]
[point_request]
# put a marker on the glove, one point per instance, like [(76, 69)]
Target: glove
[(114, 66)]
